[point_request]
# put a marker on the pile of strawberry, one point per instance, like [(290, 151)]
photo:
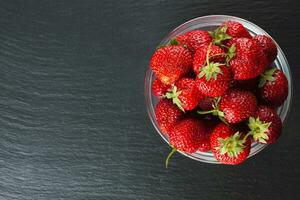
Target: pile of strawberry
[(218, 92)]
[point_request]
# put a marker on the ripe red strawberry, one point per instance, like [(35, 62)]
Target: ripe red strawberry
[(210, 124), (216, 54), (167, 114), (268, 45), (205, 144), (229, 30), (249, 60), (187, 135), (229, 146), (158, 88), (265, 126), (214, 79), (236, 29), (194, 39), (273, 87), (238, 105), (185, 94), (170, 63)]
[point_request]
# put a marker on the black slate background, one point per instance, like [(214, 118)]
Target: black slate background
[(73, 122)]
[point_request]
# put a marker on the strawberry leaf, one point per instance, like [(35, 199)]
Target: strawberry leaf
[(177, 102), (262, 82), (268, 75), (219, 35), (259, 129), (174, 94), (210, 70), (211, 33), (232, 145), (174, 42), (230, 53)]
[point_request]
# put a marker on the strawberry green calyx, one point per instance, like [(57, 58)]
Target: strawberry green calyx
[(174, 94), (258, 129), (174, 42), (210, 70), (232, 145), (266, 76), (230, 53), (174, 150), (219, 35)]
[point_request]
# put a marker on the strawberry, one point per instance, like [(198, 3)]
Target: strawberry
[(229, 30), (158, 88), (205, 144), (216, 54), (273, 87), (265, 126), (185, 94), (186, 136), (170, 63), (229, 146), (249, 60), (193, 39), (268, 45), (235, 106), (210, 123), (214, 78), (236, 29), (167, 114)]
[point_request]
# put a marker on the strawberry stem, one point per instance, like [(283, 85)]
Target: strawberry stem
[(218, 54), (223, 120), (216, 111), (211, 69), (224, 46), (169, 156), (205, 112), (207, 53)]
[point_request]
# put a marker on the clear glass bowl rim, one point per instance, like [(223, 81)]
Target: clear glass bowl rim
[(211, 21)]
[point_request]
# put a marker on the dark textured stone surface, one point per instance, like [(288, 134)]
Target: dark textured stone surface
[(73, 122)]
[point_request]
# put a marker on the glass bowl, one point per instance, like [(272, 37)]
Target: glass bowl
[(210, 22)]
